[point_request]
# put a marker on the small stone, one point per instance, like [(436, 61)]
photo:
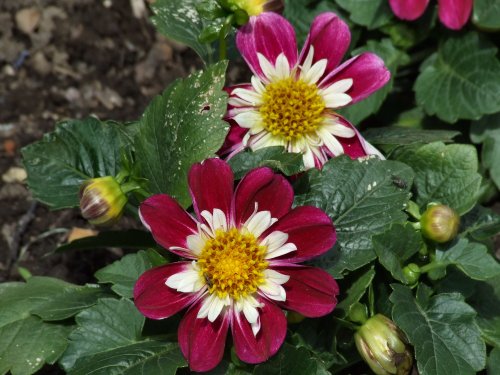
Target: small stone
[(41, 64), (27, 19), (14, 174)]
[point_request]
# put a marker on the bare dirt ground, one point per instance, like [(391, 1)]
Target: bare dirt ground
[(68, 59)]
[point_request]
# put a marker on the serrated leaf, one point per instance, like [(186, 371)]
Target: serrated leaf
[(399, 136), (26, 341), (471, 258), (393, 58), (182, 127), (361, 198), (124, 273), (443, 332), (461, 80), (369, 13), (355, 292), (486, 14), (179, 20), (480, 223), (76, 151), (395, 246), (108, 325), (143, 358), (291, 361), (273, 157), (444, 173)]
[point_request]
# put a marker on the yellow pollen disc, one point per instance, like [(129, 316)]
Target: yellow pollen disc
[(291, 108), (232, 264)]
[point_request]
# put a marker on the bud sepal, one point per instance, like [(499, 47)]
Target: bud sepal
[(384, 346)]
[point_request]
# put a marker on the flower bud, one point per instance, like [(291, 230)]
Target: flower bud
[(384, 347), (253, 7), (439, 223), (412, 273), (102, 200), (294, 317)]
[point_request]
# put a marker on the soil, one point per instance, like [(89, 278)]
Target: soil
[(69, 59)]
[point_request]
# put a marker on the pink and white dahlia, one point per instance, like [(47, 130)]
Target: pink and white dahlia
[(452, 13), (242, 247), (291, 99)]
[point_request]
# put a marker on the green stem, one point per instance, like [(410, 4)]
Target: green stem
[(121, 176), (222, 46), (371, 300), (347, 324), (430, 266)]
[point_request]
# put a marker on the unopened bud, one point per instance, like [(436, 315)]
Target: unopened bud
[(439, 223), (253, 7), (412, 273), (384, 347), (102, 200), (294, 317)]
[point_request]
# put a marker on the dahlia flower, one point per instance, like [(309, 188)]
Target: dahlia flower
[(291, 99), (452, 13), (242, 250)]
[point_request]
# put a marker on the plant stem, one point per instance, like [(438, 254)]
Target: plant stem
[(222, 47), (431, 266)]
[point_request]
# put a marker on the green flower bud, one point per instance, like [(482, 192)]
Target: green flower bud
[(102, 200), (412, 273), (439, 223), (358, 313), (253, 7), (384, 347)]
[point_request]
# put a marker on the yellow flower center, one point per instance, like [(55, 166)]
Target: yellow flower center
[(233, 264), (291, 108)]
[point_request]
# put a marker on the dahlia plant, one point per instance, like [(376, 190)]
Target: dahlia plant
[(316, 204)]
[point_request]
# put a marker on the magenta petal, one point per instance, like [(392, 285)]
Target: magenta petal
[(257, 349), (271, 191), (309, 229), (367, 71), (234, 139), (156, 300), (454, 13), (357, 146), (211, 186), (408, 9), (330, 37), (310, 291), (270, 35), (168, 222), (202, 342)]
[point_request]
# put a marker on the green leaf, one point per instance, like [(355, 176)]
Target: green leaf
[(471, 258), (361, 198), (443, 332), (124, 273), (274, 157), (444, 173), (179, 20), (129, 239), (393, 58), (369, 13), (354, 293), (494, 362), (143, 358), (461, 80), (486, 14), (480, 223), (487, 131), (182, 127), (108, 325), (26, 341), (76, 151), (399, 136), (291, 361), (395, 246)]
